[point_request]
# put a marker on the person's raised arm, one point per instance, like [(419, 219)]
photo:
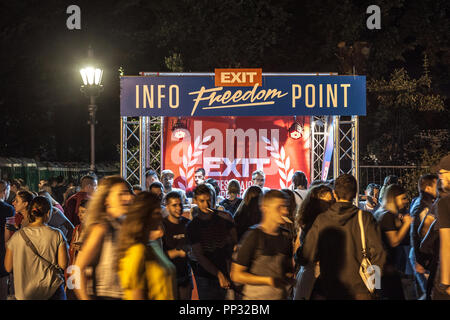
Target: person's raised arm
[(240, 274), (89, 252), (395, 238)]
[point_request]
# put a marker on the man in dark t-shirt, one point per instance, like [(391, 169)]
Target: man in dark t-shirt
[(441, 289), (264, 259), (174, 244), (212, 236)]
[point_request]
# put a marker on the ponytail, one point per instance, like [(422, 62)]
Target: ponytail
[(39, 207)]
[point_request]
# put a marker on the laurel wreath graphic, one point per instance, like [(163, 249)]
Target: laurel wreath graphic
[(193, 154), (283, 162)]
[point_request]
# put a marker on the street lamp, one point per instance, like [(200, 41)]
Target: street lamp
[(92, 79)]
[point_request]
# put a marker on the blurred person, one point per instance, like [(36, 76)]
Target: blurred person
[(212, 237), (150, 177), (145, 272), (334, 240), (69, 192), (15, 186), (430, 245), (158, 189), (233, 201), (199, 178), (264, 258), (395, 223), (58, 190), (316, 183), (259, 179), (175, 244), (6, 212), (167, 178), (370, 199), (318, 200), (106, 209), (299, 186), (420, 206), (76, 242), (292, 212), (218, 197), (37, 255), (88, 186), (248, 213), (137, 189), (41, 184), (57, 219), (441, 288), (391, 179)]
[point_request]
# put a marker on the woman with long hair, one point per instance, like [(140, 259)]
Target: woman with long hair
[(394, 222), (248, 213), (100, 242), (37, 255), (21, 204), (318, 200), (145, 272)]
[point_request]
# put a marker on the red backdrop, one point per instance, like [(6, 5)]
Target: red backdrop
[(233, 147)]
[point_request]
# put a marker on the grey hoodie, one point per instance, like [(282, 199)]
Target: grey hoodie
[(335, 241)]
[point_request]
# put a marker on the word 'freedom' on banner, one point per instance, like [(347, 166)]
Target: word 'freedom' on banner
[(278, 96)]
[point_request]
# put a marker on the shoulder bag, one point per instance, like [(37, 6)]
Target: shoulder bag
[(364, 271), (57, 270)]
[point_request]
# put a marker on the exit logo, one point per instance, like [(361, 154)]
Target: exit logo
[(238, 77)]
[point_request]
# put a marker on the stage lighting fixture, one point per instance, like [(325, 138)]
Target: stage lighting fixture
[(296, 130), (179, 128)]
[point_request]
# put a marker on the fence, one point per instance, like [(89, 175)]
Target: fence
[(32, 172), (376, 174)]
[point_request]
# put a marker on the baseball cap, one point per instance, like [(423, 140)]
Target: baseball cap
[(167, 172), (444, 164)]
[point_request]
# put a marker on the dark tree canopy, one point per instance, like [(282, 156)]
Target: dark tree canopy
[(45, 116)]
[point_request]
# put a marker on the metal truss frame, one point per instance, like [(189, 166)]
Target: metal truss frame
[(318, 141), (346, 146), (141, 142)]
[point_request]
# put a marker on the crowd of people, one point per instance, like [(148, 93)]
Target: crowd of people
[(313, 241)]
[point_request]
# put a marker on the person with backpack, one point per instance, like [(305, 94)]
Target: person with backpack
[(37, 255), (264, 261), (335, 240)]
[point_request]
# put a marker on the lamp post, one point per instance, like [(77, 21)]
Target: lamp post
[(92, 78)]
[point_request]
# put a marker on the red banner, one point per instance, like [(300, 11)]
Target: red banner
[(233, 147)]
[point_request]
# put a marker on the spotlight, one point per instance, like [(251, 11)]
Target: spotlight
[(179, 128), (296, 130)]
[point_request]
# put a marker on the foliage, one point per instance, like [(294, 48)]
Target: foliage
[(401, 109)]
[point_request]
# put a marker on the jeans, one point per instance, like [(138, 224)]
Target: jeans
[(420, 278), (4, 287), (59, 294), (210, 289)]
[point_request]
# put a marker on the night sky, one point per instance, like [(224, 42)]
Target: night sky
[(44, 114)]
